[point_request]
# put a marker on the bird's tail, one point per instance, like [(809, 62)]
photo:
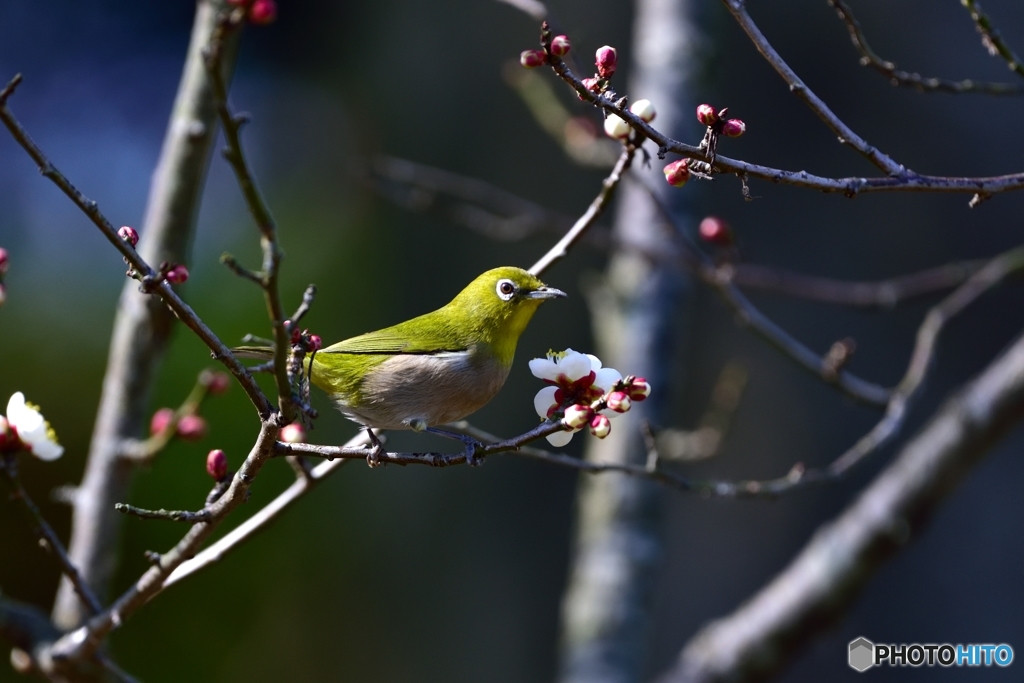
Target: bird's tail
[(258, 352)]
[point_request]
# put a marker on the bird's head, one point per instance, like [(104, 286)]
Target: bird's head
[(499, 304)]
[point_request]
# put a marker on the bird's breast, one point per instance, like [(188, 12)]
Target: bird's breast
[(434, 388)]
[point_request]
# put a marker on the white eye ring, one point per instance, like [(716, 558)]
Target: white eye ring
[(506, 289)]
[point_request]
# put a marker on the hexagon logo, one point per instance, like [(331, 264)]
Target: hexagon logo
[(862, 654)]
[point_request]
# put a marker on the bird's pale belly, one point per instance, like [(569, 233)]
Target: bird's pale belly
[(410, 390)]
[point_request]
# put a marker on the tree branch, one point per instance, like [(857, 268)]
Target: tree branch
[(905, 78), (763, 634), (991, 39)]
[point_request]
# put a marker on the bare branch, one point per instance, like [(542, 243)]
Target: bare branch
[(991, 39), (174, 515), (561, 248), (760, 637), (42, 530), (905, 78)]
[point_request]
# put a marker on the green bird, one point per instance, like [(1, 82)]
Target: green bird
[(435, 368)]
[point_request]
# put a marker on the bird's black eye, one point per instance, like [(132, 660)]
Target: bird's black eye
[(506, 289)]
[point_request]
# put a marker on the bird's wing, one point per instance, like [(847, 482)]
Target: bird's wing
[(407, 337)]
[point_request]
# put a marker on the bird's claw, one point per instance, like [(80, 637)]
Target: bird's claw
[(374, 458)]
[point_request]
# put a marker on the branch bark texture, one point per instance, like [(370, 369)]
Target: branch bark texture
[(143, 323), (765, 633), (607, 605)]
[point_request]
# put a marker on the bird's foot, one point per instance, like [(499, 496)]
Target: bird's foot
[(374, 458), (474, 448)]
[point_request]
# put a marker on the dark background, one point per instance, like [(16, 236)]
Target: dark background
[(456, 575)]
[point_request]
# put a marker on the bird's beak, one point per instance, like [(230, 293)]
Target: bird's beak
[(545, 292)]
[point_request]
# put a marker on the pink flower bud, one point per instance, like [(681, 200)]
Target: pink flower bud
[(706, 114), (677, 173), (577, 415), (639, 389), (733, 128), (263, 12), (600, 426), (215, 382), (293, 433), (191, 427), (128, 234), (606, 60), (314, 343), (177, 274), (161, 418), (644, 110), (716, 231), (560, 46), (619, 401), (217, 464), (3, 260), (531, 59), (616, 127)]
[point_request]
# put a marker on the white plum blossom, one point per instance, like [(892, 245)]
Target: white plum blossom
[(573, 378), (31, 429)]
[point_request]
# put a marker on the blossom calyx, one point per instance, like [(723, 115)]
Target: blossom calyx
[(606, 59), (531, 59), (217, 464), (560, 46), (677, 173)]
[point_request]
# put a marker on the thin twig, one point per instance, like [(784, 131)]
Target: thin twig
[(991, 39), (173, 515), (904, 181), (46, 535), (608, 186), (162, 288), (272, 253), (800, 89), (905, 78)]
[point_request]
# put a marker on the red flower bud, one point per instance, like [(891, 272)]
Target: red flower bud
[(128, 234), (619, 401), (560, 46), (191, 427), (314, 343), (263, 12), (706, 115), (160, 420), (3, 260), (293, 433), (215, 382), (606, 60), (531, 59), (217, 464), (578, 415), (639, 389), (600, 426), (733, 128), (177, 274), (716, 231), (677, 173)]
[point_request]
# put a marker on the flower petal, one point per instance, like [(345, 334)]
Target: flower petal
[(559, 439), (595, 362), (47, 450), (544, 400), (606, 378), (574, 365), (544, 368)]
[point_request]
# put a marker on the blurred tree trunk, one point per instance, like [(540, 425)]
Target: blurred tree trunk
[(637, 312), (143, 324)]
